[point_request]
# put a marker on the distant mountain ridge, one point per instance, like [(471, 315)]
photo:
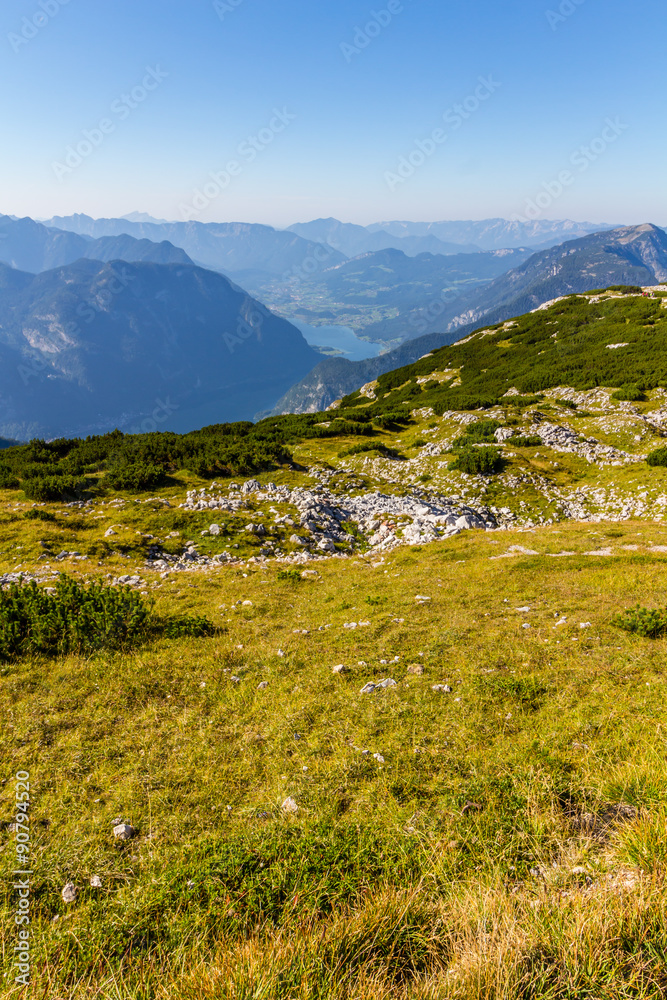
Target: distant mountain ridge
[(235, 248), (91, 346), (353, 240), (634, 255), (496, 234), (31, 246)]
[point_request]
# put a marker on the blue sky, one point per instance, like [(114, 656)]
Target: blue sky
[(352, 107)]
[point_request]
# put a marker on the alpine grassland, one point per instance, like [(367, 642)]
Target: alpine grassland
[(396, 771)]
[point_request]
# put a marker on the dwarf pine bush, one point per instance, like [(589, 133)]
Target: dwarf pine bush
[(650, 623), (74, 619)]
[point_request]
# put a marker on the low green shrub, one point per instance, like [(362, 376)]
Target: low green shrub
[(76, 618), (51, 488), (136, 476), (39, 515), (650, 623), (629, 393), (478, 461), (8, 481), (525, 441), (290, 576), (657, 457), (359, 449)]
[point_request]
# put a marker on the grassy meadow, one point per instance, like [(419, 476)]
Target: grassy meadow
[(303, 840)]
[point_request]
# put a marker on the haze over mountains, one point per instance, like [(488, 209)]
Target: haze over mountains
[(635, 255), (31, 246), (114, 324), (91, 346)]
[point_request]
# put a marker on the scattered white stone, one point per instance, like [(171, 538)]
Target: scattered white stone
[(585, 624), (421, 599), (69, 892), (246, 604), (368, 688), (389, 682), (214, 529), (441, 689), (379, 758), (262, 686), (124, 831), (340, 668), (96, 882), (109, 532), (289, 806)]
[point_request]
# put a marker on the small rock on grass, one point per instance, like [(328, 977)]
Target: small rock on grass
[(262, 686), (289, 806), (441, 689), (69, 893), (340, 668), (416, 668), (96, 882), (124, 831)]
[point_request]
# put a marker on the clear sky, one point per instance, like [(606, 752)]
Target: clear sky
[(353, 106)]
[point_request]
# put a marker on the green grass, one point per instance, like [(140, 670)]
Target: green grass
[(386, 882)]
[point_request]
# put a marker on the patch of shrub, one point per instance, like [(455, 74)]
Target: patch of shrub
[(629, 393), (136, 476), (39, 515), (568, 403), (290, 576), (180, 626), (479, 433), (51, 488), (8, 481), (650, 623), (525, 441), (75, 619), (359, 449), (478, 461), (657, 457)]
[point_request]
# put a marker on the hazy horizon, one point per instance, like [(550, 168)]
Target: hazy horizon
[(401, 110)]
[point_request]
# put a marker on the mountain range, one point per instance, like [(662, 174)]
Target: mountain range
[(238, 249), (91, 346), (635, 255), (31, 246)]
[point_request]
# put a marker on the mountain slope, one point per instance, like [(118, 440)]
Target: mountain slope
[(233, 247), (92, 346), (631, 255), (30, 246)]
